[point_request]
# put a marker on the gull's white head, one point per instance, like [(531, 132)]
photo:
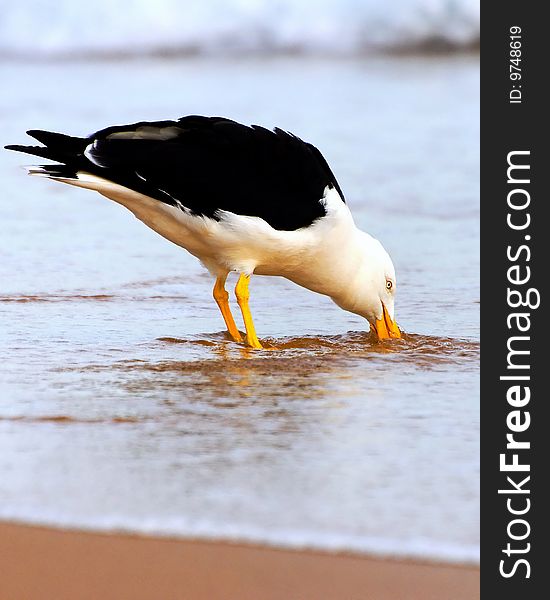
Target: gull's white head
[(372, 287)]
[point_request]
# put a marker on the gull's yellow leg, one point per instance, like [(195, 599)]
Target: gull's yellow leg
[(243, 294), (222, 299)]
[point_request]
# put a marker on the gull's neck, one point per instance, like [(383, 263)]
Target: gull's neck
[(340, 266)]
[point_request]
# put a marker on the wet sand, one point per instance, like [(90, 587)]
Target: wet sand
[(48, 564)]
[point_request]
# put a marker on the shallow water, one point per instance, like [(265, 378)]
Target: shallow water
[(123, 405)]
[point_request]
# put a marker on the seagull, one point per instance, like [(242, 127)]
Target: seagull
[(241, 199)]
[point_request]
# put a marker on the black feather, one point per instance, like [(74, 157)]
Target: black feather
[(205, 163), (58, 140)]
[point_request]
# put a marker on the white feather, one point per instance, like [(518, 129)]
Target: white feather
[(331, 256)]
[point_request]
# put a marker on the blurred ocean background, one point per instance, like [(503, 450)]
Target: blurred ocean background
[(68, 29), (122, 404)]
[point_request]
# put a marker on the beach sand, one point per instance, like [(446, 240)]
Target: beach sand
[(48, 564)]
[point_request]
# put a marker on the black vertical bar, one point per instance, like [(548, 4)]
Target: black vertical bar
[(515, 131)]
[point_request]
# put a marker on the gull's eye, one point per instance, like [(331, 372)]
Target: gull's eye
[(389, 284)]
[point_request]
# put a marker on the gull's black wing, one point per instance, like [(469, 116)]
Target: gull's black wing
[(204, 164)]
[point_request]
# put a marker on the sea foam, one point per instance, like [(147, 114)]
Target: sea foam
[(415, 548)]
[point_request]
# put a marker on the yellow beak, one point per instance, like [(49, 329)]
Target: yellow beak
[(386, 327)]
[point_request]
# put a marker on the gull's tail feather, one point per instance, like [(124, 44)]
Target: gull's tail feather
[(57, 146), (53, 171)]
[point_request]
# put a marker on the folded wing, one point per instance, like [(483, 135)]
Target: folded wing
[(202, 164)]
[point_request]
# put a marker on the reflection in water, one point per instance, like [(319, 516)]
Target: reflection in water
[(299, 367), (306, 444), (224, 375)]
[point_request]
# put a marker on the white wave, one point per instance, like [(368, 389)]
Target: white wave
[(417, 548), (51, 28)]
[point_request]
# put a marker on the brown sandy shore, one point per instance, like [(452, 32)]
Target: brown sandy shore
[(49, 564)]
